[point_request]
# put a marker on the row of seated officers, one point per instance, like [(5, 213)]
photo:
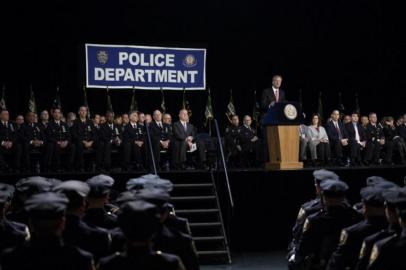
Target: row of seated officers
[(331, 234), (65, 145), (50, 224)]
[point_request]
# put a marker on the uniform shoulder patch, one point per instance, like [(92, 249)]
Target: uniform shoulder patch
[(301, 213), (343, 237), (374, 254), (306, 225), (362, 250)]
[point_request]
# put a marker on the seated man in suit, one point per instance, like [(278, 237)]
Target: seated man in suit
[(111, 138), (133, 143), (161, 134), (8, 142), (184, 135), (337, 136), (59, 140), (356, 139)]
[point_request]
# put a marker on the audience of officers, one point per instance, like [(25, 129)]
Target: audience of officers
[(331, 234), (77, 143), (50, 224)]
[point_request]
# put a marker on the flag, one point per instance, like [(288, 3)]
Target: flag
[(163, 107), (3, 99), (320, 106), (85, 103), (109, 105), (255, 111), (32, 105), (208, 113), (340, 104), (357, 108), (230, 107), (134, 104), (57, 101), (185, 104)]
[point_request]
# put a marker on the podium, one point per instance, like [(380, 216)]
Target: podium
[(282, 131)]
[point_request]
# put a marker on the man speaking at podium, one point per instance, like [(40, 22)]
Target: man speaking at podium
[(272, 95)]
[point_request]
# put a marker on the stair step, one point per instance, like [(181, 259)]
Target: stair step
[(209, 238), (196, 211), (212, 252), (192, 185), (205, 224), (193, 198)]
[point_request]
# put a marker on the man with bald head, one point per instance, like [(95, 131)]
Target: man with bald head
[(184, 134)]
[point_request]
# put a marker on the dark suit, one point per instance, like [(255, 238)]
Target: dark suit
[(159, 134), (335, 137), (250, 150), (268, 96), (180, 146), (374, 134), (111, 137), (57, 133), (130, 135), (393, 142), (8, 133), (354, 145)]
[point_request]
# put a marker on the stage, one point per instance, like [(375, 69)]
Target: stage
[(265, 202)]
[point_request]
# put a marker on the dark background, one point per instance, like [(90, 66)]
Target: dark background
[(328, 46)]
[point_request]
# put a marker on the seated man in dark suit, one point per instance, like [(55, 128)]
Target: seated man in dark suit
[(356, 139), (111, 138), (184, 135), (59, 140), (161, 135), (8, 142), (337, 136), (401, 127), (133, 143)]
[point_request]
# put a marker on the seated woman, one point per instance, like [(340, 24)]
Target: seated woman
[(319, 138)]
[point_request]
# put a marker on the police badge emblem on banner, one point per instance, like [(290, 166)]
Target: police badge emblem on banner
[(154, 68)]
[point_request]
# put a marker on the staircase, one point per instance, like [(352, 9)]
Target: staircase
[(195, 198)]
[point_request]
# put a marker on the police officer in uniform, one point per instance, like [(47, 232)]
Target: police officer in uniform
[(321, 230), (59, 140), (161, 137), (11, 233), (46, 250), (390, 195), (133, 143), (139, 221), (347, 252), (96, 214), (9, 144), (167, 239), (389, 253), (78, 233), (250, 143), (309, 208), (375, 140), (33, 139), (84, 137), (111, 137), (232, 142)]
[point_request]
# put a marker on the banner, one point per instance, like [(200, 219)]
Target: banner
[(122, 66)]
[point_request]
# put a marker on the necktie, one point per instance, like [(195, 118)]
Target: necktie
[(184, 127), (356, 133), (338, 130), (276, 95)]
